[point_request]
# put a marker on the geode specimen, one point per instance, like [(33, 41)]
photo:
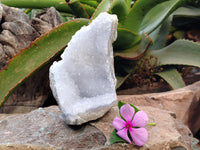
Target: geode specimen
[(83, 82)]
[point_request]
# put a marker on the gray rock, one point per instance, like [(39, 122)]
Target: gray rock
[(7, 38), (51, 16), (3, 57), (45, 128), (41, 26), (11, 14), (47, 20), (24, 33), (83, 82)]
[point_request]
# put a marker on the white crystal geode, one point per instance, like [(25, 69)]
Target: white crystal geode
[(83, 81)]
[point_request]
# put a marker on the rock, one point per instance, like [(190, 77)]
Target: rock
[(11, 14), (185, 102), (18, 32), (3, 57), (7, 38), (45, 128), (45, 21), (166, 135), (24, 33), (83, 82)]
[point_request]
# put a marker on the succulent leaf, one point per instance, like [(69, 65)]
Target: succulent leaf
[(60, 5), (159, 36), (157, 15), (136, 51), (121, 80), (137, 13), (126, 39), (78, 9), (172, 77), (104, 6), (119, 7), (180, 52)]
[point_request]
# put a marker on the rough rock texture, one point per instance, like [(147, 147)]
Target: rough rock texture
[(17, 33), (83, 82), (185, 102), (45, 21), (44, 128)]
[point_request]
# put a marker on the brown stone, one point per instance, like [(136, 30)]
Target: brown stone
[(167, 134), (44, 128), (184, 102)]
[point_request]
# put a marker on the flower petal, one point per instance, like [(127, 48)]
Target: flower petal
[(124, 134), (127, 112), (118, 123), (140, 119), (139, 136)]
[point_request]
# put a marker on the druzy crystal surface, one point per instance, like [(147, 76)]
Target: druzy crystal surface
[(83, 81)]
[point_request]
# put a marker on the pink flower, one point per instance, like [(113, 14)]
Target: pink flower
[(133, 124)]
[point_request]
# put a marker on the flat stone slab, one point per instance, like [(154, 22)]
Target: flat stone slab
[(45, 128), (184, 102)]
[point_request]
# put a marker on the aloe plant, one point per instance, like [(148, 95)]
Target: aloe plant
[(142, 33)]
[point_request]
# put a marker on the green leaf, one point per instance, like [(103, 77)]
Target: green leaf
[(114, 138), (121, 80), (102, 7), (157, 15), (136, 51), (60, 5), (180, 52), (120, 104), (172, 77), (186, 16), (78, 9), (89, 9), (137, 13), (128, 3), (119, 7), (187, 12), (159, 36), (37, 55), (125, 39), (92, 3), (136, 109)]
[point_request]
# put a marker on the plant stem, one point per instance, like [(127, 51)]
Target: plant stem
[(151, 124), (60, 5)]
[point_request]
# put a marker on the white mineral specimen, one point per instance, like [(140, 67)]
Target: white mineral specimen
[(83, 82)]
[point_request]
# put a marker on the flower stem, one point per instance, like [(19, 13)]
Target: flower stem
[(151, 124)]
